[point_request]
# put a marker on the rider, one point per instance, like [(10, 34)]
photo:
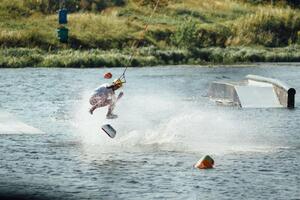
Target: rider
[(104, 95)]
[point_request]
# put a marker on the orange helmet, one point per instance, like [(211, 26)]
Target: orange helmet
[(107, 75)]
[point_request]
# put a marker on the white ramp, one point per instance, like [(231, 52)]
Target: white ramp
[(10, 125), (254, 92), (257, 95)]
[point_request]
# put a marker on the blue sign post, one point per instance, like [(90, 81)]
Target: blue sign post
[(63, 34), (62, 16), (62, 31)]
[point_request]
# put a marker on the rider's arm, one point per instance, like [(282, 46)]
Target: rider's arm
[(120, 95)]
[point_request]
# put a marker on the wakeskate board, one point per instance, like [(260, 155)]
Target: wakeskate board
[(109, 130)]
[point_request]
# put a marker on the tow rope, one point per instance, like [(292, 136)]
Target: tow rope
[(135, 44)]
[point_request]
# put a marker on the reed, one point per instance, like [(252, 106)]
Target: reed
[(150, 56), (267, 27)]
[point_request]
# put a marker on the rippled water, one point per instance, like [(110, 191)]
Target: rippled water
[(166, 124)]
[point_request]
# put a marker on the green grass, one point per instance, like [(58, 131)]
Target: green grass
[(183, 32), (118, 27)]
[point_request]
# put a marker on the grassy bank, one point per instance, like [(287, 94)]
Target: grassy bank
[(25, 57), (180, 32)]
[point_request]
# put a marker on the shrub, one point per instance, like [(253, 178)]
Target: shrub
[(216, 35), (191, 35), (186, 35)]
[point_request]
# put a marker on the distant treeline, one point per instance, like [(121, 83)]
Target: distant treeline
[(293, 3), (51, 6)]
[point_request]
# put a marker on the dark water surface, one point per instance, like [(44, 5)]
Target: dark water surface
[(166, 124)]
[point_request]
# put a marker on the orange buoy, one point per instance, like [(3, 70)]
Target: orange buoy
[(107, 75), (205, 162)]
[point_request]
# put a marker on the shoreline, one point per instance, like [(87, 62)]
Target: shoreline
[(146, 57), (234, 65)]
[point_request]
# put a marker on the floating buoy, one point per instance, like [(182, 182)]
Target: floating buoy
[(107, 75), (205, 162)]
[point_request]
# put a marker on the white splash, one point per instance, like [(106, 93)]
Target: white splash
[(9, 124), (164, 123)]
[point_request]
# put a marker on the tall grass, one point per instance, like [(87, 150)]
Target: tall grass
[(218, 23), (188, 31), (100, 31), (267, 27), (12, 9)]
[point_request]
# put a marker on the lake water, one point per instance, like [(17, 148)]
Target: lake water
[(166, 124)]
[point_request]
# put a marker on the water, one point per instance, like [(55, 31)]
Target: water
[(166, 124)]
